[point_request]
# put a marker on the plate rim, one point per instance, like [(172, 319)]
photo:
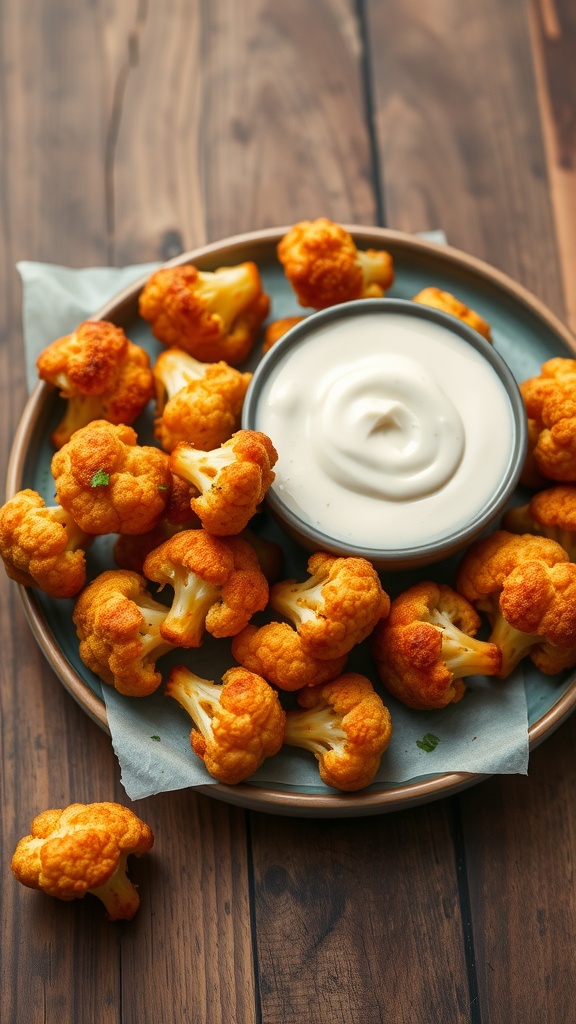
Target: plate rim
[(249, 795)]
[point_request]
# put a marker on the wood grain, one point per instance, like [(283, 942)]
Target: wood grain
[(457, 127)]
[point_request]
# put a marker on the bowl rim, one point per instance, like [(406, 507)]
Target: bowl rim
[(412, 555), (247, 795)]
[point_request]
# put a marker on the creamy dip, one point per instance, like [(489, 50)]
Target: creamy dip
[(392, 431)]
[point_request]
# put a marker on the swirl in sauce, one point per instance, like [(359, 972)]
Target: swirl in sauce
[(383, 427)]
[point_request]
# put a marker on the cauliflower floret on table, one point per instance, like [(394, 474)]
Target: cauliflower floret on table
[(232, 480), (237, 725), (347, 727), (41, 546), (336, 608), (550, 401), (81, 849), (213, 315), (108, 482), (275, 651), (100, 374), (196, 402), (217, 583), (527, 587), (118, 625), (324, 266), (448, 303), (550, 513), (426, 647)]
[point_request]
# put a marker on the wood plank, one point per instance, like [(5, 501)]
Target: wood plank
[(360, 919), (553, 25), (457, 110)]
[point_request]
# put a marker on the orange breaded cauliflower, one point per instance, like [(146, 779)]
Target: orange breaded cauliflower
[(236, 725), (118, 624), (336, 608), (426, 647), (130, 550), (275, 651), (232, 480), (448, 303), (346, 726), (217, 583), (213, 315), (108, 482), (527, 587), (82, 849), (41, 546), (100, 374), (324, 266), (196, 402), (277, 329), (550, 513), (550, 401)]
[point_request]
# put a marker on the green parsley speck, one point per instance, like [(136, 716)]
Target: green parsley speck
[(429, 742), (100, 479)]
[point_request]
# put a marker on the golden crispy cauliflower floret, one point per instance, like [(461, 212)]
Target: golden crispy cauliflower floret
[(275, 651), (217, 582), (448, 303), (426, 647), (118, 624), (550, 401), (277, 329), (213, 315), (346, 726), (232, 480), (109, 483), (82, 849), (336, 608), (236, 725), (527, 587), (196, 402), (550, 513), (324, 266), (42, 546), (100, 374)]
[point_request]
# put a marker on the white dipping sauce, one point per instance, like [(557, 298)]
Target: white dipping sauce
[(391, 431)]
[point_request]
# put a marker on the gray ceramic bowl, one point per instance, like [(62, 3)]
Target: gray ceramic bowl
[(434, 542)]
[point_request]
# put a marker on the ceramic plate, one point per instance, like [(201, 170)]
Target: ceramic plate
[(525, 333)]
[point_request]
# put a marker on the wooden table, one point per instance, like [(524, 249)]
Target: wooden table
[(133, 131)]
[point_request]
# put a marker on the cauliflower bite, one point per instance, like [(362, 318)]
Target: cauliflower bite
[(100, 374), (324, 266), (109, 483), (196, 402), (217, 582), (426, 647), (41, 546), (550, 513), (130, 550), (82, 849), (275, 651), (232, 480), (277, 329), (550, 401), (118, 624), (336, 608), (236, 725), (213, 315), (346, 726), (448, 303), (527, 587)]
